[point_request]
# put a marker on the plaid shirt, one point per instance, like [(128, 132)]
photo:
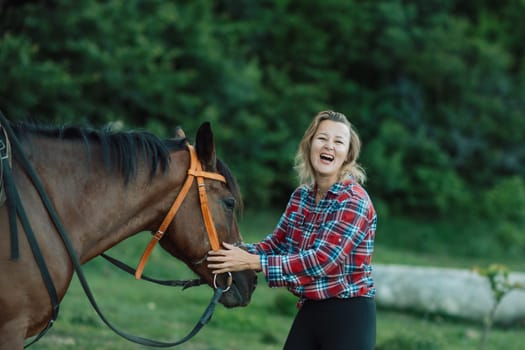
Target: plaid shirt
[(324, 250)]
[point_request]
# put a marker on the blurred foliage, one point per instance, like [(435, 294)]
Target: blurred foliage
[(436, 89), (285, 303)]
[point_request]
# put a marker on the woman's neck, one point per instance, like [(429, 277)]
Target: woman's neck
[(321, 190), (323, 185)]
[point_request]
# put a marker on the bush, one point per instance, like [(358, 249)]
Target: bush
[(504, 206), (511, 237), (506, 201)]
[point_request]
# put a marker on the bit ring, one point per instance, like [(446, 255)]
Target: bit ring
[(229, 281)]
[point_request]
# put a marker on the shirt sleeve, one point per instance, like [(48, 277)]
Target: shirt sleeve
[(342, 231)]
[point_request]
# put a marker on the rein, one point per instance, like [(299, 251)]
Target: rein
[(15, 208)]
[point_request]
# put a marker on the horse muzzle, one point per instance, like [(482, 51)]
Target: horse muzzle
[(238, 287)]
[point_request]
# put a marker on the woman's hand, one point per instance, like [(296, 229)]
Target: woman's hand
[(232, 258)]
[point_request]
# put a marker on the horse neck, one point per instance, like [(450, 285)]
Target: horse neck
[(97, 207)]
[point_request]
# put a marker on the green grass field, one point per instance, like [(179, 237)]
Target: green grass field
[(167, 313)]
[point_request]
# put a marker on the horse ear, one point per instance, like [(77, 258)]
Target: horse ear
[(205, 147), (179, 133)]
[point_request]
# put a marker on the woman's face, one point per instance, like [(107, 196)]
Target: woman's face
[(329, 150)]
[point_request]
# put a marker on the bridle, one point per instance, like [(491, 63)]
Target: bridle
[(194, 171)]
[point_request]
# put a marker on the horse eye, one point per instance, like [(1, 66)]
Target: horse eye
[(229, 203)]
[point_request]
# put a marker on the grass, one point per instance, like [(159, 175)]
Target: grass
[(167, 314)]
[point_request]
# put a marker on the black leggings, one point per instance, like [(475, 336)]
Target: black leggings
[(334, 324)]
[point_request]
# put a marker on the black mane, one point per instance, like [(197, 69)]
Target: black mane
[(120, 149)]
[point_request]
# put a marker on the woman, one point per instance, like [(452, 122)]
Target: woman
[(322, 247)]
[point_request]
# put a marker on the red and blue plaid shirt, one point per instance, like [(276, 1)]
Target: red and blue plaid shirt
[(324, 250)]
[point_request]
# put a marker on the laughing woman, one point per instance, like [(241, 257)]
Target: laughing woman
[(321, 249)]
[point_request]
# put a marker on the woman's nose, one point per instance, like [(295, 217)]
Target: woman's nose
[(329, 146)]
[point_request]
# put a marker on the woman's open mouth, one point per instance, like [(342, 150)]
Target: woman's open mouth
[(325, 157)]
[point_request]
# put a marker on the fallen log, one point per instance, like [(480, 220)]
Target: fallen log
[(457, 293)]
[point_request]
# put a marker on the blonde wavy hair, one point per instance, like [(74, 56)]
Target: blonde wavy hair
[(350, 167)]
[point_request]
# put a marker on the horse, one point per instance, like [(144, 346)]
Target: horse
[(106, 186)]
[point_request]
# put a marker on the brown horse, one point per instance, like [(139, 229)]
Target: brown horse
[(106, 186)]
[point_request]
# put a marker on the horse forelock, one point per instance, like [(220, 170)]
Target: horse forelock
[(121, 150)]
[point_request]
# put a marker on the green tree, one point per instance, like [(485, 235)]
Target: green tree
[(435, 88)]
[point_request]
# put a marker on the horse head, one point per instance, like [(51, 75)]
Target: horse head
[(189, 239)]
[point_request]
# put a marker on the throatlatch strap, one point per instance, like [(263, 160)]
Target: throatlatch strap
[(165, 223), (195, 170)]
